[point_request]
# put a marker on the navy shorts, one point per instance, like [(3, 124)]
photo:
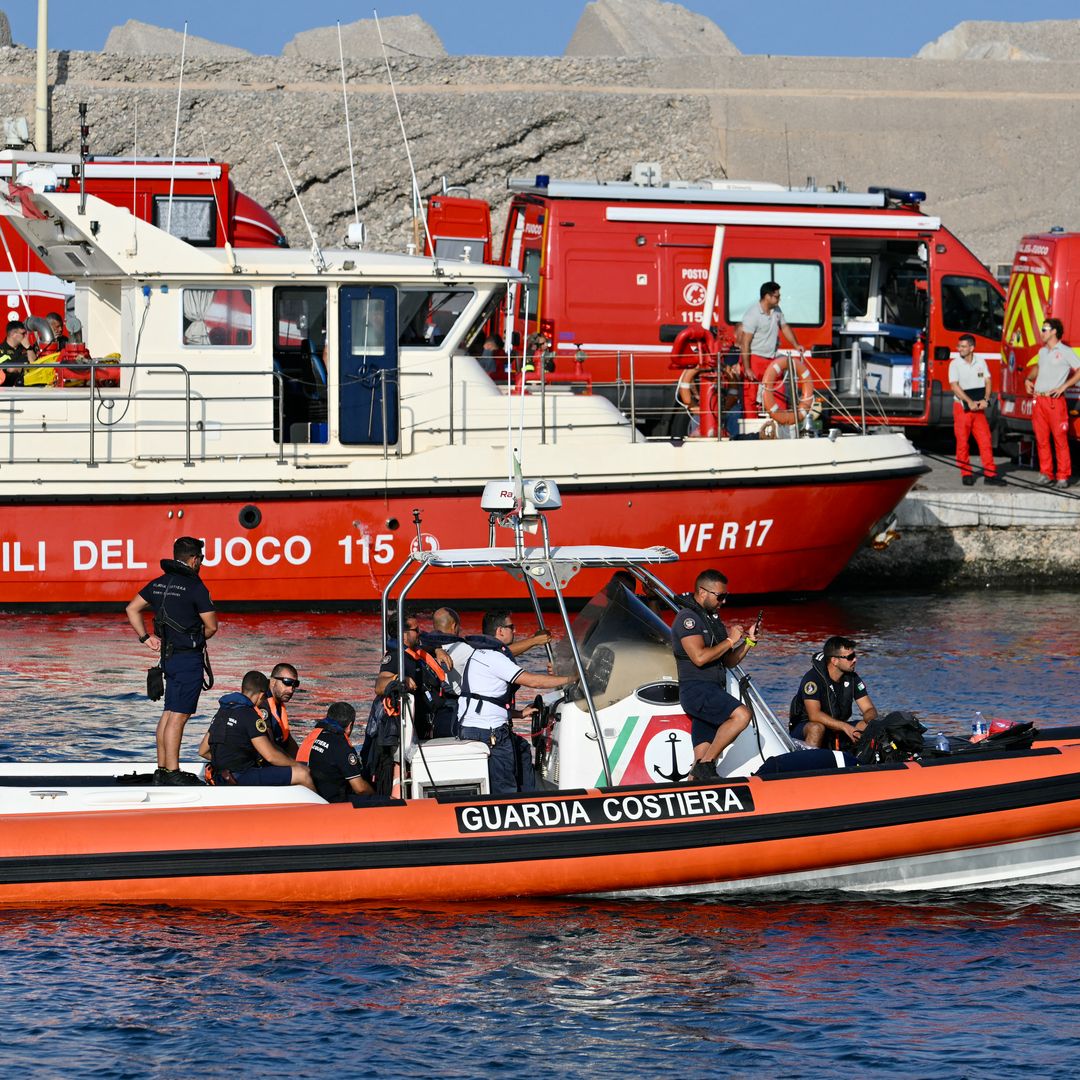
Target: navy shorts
[(708, 705), (267, 776), (183, 682)]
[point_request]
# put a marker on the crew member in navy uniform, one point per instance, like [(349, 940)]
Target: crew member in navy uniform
[(489, 680), (238, 744), (821, 709), (425, 673), (328, 753), (704, 650), (184, 620)]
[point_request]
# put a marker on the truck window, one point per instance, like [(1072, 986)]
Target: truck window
[(851, 282), (426, 316), (216, 318), (531, 269), (191, 218), (971, 306), (802, 288)]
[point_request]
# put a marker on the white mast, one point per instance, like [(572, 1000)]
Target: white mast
[(41, 100)]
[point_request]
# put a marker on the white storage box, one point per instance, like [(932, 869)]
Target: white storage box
[(888, 374), (459, 767)]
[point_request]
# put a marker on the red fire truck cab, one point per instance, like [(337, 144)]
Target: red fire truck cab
[(1043, 284), (878, 290)]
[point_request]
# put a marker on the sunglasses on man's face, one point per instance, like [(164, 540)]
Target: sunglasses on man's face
[(288, 682)]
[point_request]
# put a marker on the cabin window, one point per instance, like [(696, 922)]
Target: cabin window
[(802, 287), (216, 318), (972, 306), (190, 218), (427, 316), (300, 373)]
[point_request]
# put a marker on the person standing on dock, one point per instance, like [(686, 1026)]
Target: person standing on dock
[(759, 335), (1056, 368), (704, 649), (969, 380), (184, 620)]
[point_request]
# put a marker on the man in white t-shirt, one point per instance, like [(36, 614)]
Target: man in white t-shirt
[(489, 681), (1056, 368), (969, 379), (759, 335)]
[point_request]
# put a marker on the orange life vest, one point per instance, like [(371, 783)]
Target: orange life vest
[(280, 715)]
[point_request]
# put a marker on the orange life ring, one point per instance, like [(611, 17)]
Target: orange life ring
[(690, 336), (769, 404)]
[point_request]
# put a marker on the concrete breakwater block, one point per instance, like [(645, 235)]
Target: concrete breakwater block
[(977, 538)]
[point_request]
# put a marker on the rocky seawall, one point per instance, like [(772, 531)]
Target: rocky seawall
[(973, 134)]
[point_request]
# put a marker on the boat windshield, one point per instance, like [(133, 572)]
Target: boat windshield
[(623, 644)]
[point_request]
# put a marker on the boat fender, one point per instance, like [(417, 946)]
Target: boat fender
[(804, 761)]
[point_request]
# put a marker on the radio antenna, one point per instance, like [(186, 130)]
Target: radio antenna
[(418, 218), (348, 126), (316, 251), (176, 131)]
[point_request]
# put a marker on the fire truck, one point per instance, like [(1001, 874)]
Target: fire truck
[(877, 290), (193, 199), (1042, 285)]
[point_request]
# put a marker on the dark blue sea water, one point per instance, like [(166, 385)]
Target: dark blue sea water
[(942, 985)]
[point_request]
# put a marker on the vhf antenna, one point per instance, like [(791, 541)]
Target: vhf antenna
[(417, 216)]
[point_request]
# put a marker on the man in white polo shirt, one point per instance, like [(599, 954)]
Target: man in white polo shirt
[(1056, 368), (489, 681), (969, 378)]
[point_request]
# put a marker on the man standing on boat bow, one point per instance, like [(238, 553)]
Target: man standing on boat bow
[(704, 650), (184, 620)]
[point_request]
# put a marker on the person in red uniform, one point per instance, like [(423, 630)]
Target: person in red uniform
[(969, 380), (759, 335), (1056, 368)]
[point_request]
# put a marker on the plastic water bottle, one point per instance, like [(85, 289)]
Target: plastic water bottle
[(941, 742), (979, 726)]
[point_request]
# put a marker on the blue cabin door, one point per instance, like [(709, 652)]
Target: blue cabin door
[(368, 366)]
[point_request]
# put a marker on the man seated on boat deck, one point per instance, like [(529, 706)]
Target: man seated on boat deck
[(821, 708), (489, 681), (425, 673), (238, 744), (704, 649), (328, 753), (284, 682), (15, 354)]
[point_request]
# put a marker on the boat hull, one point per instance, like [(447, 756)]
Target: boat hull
[(998, 820), (342, 547)]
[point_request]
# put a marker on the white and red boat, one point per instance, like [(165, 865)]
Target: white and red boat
[(292, 408), (615, 810)]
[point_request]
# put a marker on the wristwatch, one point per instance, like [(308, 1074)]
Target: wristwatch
[(144, 639)]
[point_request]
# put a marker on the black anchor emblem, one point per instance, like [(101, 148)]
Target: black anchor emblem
[(676, 773)]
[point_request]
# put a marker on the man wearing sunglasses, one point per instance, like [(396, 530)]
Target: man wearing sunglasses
[(284, 682), (704, 649), (821, 709), (184, 620), (1055, 370)]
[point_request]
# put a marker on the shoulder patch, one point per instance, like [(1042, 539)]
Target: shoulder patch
[(260, 726), (809, 688), (353, 760), (387, 657), (689, 623)]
